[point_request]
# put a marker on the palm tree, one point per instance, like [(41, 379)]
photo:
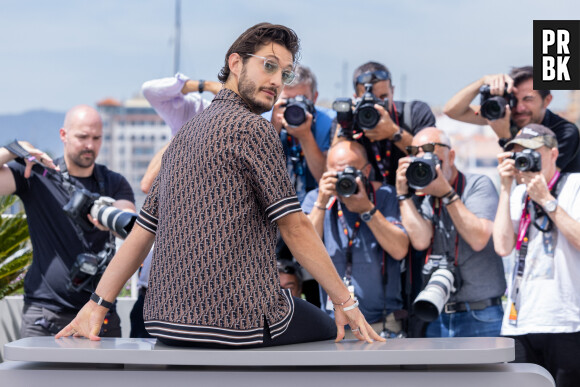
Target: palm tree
[(15, 248)]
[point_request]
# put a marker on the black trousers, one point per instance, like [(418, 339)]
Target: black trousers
[(308, 323), (556, 352)]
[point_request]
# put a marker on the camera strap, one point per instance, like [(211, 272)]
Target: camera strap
[(554, 185), (439, 229), (355, 230), (384, 163)]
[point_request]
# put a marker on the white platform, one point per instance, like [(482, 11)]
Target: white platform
[(423, 362)]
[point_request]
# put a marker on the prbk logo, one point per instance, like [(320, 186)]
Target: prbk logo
[(557, 54)]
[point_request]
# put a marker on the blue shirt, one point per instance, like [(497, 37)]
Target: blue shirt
[(374, 291), (321, 128)]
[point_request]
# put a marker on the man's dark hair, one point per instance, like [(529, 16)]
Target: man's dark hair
[(254, 37), (521, 74), (368, 67)]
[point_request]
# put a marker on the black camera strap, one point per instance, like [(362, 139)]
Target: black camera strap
[(555, 186), (439, 230)]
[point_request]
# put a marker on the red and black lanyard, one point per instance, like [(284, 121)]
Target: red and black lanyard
[(384, 163)]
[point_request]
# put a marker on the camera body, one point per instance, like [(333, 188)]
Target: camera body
[(346, 181), (364, 116), (88, 269), (441, 279), (421, 171), (296, 109), (493, 107), (527, 160)]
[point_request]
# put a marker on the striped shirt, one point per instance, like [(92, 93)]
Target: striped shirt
[(222, 185)]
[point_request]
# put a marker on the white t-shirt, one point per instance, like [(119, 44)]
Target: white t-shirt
[(550, 288)]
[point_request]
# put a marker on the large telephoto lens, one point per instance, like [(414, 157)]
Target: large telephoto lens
[(429, 303), (114, 219)]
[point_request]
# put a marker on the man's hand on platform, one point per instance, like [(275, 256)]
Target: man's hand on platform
[(87, 323), (357, 322)]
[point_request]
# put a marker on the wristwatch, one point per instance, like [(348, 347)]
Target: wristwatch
[(366, 216), (551, 205), (100, 301), (397, 136)]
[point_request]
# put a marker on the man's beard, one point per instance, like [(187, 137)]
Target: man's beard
[(248, 90), (81, 162)]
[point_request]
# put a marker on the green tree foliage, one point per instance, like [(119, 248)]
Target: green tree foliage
[(15, 248)]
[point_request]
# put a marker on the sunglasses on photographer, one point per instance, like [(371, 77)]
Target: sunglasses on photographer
[(373, 76), (271, 67), (427, 148)]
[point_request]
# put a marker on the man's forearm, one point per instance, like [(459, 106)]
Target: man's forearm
[(504, 237), (419, 230), (299, 235), (459, 108), (475, 231), (391, 238), (315, 158)]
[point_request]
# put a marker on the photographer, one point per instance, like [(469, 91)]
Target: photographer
[(454, 222), (399, 121), (359, 223), (540, 218), (521, 105), (57, 240), (306, 138)]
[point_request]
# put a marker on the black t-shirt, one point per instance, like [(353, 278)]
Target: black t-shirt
[(568, 141), (421, 117), (54, 240)]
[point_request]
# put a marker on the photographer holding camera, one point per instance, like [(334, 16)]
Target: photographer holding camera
[(540, 218), (359, 223), (389, 128), (509, 102), (52, 297), (304, 130), (463, 276)]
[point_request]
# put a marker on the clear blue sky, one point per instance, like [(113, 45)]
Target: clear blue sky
[(56, 54)]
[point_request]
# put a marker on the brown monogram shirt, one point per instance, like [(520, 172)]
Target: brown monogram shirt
[(222, 184)]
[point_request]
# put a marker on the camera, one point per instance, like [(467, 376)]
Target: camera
[(346, 184), (88, 269), (441, 282), (296, 109), (421, 171), (83, 202), (528, 160), (493, 107), (364, 116)]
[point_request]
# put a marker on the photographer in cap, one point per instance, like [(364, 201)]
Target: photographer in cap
[(50, 303), (399, 121), (541, 219), (511, 103), (304, 130), (360, 225), (463, 276)]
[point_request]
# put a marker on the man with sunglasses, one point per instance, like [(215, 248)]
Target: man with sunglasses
[(214, 210), (541, 219), (531, 107), (454, 222), (363, 234), (400, 121)]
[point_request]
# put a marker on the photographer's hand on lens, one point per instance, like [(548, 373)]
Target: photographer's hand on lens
[(358, 202), (87, 323), (438, 187), (385, 128), (326, 187), (537, 187), (501, 126), (278, 115)]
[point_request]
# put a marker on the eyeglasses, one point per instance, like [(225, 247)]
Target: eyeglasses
[(427, 148), (271, 67), (370, 76), (288, 268)]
